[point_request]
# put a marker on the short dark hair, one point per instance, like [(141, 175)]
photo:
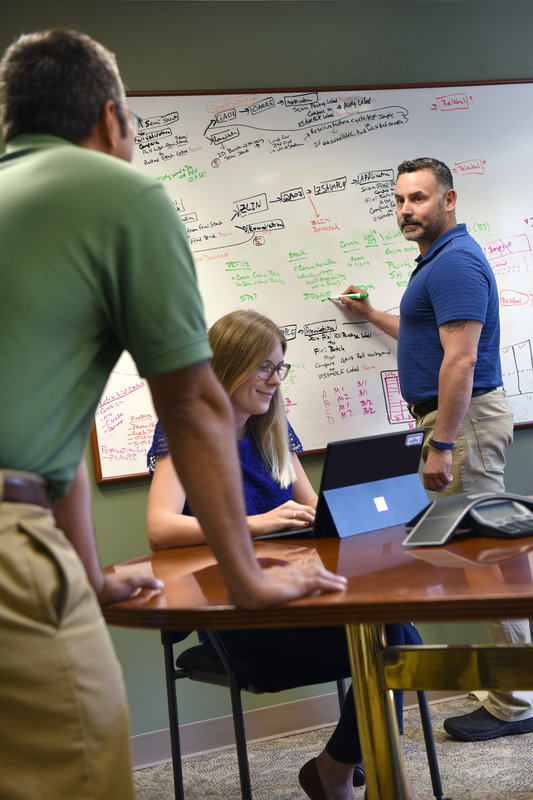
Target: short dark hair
[(57, 82), (438, 168)]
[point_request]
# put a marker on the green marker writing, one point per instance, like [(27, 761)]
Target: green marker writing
[(354, 296)]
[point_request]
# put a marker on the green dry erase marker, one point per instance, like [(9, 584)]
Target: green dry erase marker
[(354, 296)]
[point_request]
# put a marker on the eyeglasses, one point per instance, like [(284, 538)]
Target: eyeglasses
[(136, 120), (266, 370)]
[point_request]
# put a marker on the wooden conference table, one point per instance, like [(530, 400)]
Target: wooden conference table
[(471, 578)]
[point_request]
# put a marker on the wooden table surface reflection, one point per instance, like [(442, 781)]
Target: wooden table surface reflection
[(472, 578)]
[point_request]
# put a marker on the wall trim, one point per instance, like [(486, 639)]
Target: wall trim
[(283, 719)]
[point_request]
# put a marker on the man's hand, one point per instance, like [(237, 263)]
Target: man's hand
[(282, 584), (361, 307), (386, 322), (436, 475), (116, 587)]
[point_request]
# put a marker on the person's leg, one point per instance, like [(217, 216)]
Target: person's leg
[(478, 466), (487, 431), (331, 772), (63, 718), (503, 713), (317, 645), (510, 631), (329, 776), (478, 456), (325, 646), (478, 459)]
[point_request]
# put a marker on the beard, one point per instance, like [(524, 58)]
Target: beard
[(426, 231)]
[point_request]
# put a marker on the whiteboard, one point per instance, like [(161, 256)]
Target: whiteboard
[(288, 196), (124, 424)]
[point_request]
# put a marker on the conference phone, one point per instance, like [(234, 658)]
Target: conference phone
[(498, 514)]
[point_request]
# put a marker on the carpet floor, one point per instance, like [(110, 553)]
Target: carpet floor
[(500, 769)]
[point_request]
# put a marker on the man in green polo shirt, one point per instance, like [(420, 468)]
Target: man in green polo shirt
[(93, 259)]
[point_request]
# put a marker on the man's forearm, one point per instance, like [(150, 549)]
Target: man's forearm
[(459, 339), (387, 323), (455, 392), (73, 516)]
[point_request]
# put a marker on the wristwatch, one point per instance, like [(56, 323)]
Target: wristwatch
[(441, 445)]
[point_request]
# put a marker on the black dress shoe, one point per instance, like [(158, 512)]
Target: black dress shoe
[(480, 725)]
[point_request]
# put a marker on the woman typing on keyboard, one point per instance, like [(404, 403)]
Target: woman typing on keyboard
[(248, 351), (248, 359)]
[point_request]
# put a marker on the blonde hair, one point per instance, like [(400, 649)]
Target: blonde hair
[(241, 341)]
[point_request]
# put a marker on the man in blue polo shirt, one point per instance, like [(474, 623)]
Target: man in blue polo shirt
[(448, 336)]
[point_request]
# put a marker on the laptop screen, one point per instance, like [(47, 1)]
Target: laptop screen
[(367, 483), (372, 458), (370, 483)]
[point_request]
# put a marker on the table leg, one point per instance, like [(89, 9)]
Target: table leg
[(376, 714)]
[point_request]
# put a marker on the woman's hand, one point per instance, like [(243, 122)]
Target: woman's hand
[(288, 515)]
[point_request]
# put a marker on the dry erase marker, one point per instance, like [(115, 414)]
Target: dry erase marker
[(353, 296)]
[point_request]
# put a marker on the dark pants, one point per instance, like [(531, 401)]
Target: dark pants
[(320, 645)]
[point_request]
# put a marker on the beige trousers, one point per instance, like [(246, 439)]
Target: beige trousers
[(63, 718), (478, 463)]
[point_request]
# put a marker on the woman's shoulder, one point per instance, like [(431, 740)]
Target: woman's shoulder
[(295, 445), (159, 448)]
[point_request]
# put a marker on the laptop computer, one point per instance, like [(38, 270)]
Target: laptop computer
[(367, 484)]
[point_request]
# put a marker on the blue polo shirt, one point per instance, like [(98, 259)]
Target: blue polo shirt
[(452, 281)]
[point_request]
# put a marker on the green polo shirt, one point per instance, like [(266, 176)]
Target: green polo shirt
[(93, 260)]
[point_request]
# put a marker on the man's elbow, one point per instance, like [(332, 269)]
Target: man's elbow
[(178, 395), (464, 362)]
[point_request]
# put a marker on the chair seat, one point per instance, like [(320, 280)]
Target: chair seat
[(254, 674)]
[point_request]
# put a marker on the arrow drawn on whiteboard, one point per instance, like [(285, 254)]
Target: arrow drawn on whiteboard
[(212, 124), (314, 207), (223, 246), (375, 119)]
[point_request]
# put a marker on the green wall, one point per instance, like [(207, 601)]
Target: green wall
[(237, 45)]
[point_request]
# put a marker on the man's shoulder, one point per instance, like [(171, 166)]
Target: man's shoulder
[(54, 158), (71, 169), (460, 249), (95, 166), (105, 183)]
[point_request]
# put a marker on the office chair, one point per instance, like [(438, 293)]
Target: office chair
[(198, 663)]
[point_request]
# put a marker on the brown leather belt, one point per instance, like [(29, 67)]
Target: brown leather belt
[(23, 490)]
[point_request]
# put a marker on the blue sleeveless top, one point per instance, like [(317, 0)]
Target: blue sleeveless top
[(261, 492)]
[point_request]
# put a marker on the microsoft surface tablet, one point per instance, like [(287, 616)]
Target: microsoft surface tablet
[(367, 483)]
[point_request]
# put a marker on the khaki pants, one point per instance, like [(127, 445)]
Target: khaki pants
[(478, 463), (63, 717), (478, 457)]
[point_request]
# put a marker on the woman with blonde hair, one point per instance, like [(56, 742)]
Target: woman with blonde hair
[(248, 352)]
